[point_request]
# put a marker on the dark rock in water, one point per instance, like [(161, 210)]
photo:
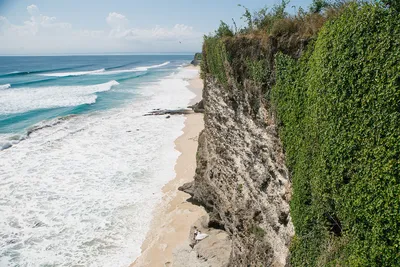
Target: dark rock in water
[(168, 117), (198, 107), (169, 111)]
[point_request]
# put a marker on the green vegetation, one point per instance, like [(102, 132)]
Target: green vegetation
[(223, 30), (394, 4), (257, 70), (332, 75), (214, 54), (339, 108), (198, 56), (290, 30)]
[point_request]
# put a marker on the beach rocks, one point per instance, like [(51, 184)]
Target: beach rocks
[(198, 107), (188, 188), (212, 251)]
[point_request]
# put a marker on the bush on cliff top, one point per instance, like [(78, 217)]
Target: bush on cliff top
[(339, 106), (291, 32)]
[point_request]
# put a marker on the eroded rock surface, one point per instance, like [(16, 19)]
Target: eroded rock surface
[(213, 251), (241, 177)]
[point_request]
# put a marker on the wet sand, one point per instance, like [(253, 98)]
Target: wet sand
[(174, 216)]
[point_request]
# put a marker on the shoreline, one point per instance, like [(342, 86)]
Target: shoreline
[(174, 216)]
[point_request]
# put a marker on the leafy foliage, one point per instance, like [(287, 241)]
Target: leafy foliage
[(214, 57), (248, 18), (198, 56), (223, 30), (337, 105), (264, 18), (318, 5), (258, 71), (395, 4), (340, 124)]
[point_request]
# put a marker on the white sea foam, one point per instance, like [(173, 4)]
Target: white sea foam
[(186, 73), (24, 99), (76, 73), (81, 193), (5, 86), (152, 67), (137, 69), (103, 71)]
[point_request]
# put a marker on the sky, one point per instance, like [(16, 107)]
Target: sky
[(45, 27)]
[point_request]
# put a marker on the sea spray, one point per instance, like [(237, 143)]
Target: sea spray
[(87, 184)]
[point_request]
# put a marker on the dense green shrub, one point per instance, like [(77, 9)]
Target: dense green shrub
[(214, 58), (244, 57), (258, 71), (339, 108)]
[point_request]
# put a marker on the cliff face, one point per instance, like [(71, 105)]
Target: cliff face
[(336, 98), (241, 177)]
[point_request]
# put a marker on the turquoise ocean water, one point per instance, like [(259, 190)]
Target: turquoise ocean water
[(33, 89), (81, 168)]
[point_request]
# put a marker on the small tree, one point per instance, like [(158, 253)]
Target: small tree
[(278, 11), (223, 30), (247, 17), (318, 5), (260, 16)]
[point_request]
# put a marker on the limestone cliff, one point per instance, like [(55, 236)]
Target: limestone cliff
[(241, 178), (329, 79)]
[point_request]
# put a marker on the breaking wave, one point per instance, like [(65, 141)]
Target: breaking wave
[(24, 99), (104, 72), (76, 73), (21, 73), (5, 86)]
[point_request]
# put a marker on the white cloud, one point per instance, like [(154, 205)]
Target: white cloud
[(33, 10), (3, 21), (117, 21), (44, 34)]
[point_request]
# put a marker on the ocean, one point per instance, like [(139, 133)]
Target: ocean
[(81, 168)]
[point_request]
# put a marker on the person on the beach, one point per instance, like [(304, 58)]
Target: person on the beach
[(195, 233)]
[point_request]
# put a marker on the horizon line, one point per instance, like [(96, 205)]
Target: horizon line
[(102, 54)]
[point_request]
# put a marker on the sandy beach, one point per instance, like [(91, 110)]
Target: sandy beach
[(174, 216)]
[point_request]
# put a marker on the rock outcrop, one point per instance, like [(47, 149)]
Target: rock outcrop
[(198, 107), (197, 59), (213, 251), (241, 178)]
